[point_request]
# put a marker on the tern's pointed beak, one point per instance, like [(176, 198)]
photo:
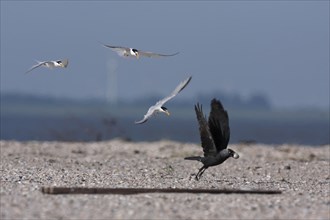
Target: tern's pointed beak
[(65, 63), (137, 55), (167, 112)]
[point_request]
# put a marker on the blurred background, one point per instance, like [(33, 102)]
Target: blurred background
[(268, 62)]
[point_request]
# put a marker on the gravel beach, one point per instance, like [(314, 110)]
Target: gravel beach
[(300, 172)]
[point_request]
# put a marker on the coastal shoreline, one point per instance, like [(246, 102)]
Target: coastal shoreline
[(300, 172)]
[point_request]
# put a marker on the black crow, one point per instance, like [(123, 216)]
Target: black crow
[(215, 136)]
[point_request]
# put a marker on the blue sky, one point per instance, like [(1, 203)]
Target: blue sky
[(280, 48)]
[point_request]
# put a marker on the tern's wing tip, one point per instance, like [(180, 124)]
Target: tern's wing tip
[(141, 121)]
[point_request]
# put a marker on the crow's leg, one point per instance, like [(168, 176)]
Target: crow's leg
[(200, 172)]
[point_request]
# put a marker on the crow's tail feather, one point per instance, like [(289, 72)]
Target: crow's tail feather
[(193, 158)]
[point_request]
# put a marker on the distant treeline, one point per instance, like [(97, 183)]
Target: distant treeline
[(231, 101), (27, 117)]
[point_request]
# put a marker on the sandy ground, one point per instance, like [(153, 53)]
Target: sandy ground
[(301, 172)]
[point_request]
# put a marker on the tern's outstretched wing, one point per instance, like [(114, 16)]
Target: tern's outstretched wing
[(121, 51), (142, 121), (35, 66), (149, 113), (151, 54), (206, 137), (178, 89), (219, 125)]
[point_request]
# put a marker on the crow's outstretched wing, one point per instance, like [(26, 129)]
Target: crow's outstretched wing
[(206, 137), (219, 125)]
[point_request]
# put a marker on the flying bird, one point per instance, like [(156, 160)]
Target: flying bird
[(132, 52), (50, 64), (158, 107), (215, 134)]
